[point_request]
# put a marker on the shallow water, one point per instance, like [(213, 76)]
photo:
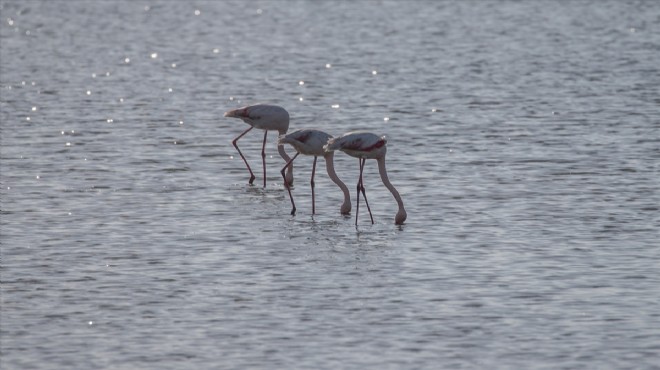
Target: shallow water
[(523, 137)]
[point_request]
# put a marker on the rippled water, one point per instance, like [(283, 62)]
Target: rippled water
[(524, 138)]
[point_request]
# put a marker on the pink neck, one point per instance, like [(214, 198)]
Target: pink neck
[(401, 214), (329, 164), (289, 170)]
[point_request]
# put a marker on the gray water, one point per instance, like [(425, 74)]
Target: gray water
[(524, 138)]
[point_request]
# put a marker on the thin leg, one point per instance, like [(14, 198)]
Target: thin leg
[(363, 193), (312, 183), (235, 142), (286, 184), (263, 155), (359, 186)]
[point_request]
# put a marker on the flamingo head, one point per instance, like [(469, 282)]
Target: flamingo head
[(289, 176), (237, 113), (400, 217), (346, 207)]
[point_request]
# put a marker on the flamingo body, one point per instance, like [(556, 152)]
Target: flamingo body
[(268, 118), (306, 141), (310, 142), (359, 144), (263, 117), (366, 145)]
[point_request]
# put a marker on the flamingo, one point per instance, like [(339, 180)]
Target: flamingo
[(311, 142), (365, 145), (265, 117)]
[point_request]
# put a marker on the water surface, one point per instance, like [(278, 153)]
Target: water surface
[(524, 138)]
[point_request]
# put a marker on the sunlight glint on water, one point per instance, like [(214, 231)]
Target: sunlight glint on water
[(522, 136)]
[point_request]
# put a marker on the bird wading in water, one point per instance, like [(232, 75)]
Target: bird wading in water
[(264, 117), (365, 145), (311, 142)]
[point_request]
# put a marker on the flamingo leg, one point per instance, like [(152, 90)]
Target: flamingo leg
[(359, 186), (312, 184), (286, 184), (235, 142), (263, 155), (364, 160)]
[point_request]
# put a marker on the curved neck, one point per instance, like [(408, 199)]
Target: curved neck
[(330, 167), (280, 149), (388, 184), (287, 159)]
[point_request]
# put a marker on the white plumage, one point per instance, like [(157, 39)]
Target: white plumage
[(365, 145), (359, 144), (311, 142), (264, 117)]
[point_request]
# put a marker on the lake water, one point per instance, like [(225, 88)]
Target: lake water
[(524, 138)]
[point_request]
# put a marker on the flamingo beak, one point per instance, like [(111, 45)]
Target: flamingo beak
[(239, 113)]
